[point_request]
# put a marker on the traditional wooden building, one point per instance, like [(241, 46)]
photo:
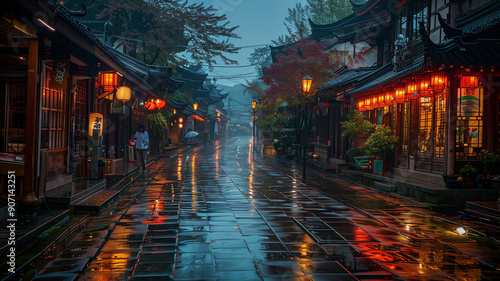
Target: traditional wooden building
[(439, 91), (59, 81)]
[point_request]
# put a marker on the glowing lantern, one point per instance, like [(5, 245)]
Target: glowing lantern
[(411, 90), (469, 82), (389, 99), (375, 102), (424, 88), (175, 111), (181, 120), (195, 106), (400, 95), (150, 106), (306, 84), (381, 100), (180, 125), (438, 82), (95, 123), (123, 93), (368, 104), (361, 104), (109, 81), (159, 103)]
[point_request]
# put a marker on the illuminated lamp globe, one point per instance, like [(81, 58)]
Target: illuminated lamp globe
[(123, 93)]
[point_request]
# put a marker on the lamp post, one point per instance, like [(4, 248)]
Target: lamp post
[(254, 105), (306, 87)]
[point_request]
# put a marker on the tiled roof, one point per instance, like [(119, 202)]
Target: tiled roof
[(386, 76), (480, 20)]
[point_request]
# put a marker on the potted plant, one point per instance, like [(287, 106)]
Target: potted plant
[(356, 128), (382, 139), (468, 174), (491, 162)]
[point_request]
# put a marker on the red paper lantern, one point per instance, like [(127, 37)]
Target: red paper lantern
[(109, 81), (361, 104), (438, 82), (400, 95), (368, 104), (159, 103), (375, 103), (389, 98), (424, 87), (381, 100), (411, 90), (469, 82), (150, 106)]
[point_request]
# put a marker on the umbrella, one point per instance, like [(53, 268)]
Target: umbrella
[(191, 134)]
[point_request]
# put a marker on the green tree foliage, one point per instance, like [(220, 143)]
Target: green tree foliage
[(161, 29), (355, 126), (260, 58), (181, 97), (296, 22), (328, 11), (381, 140)]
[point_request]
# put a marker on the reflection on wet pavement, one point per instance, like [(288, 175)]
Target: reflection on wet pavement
[(213, 214)]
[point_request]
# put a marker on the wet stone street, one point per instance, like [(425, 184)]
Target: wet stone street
[(211, 213)]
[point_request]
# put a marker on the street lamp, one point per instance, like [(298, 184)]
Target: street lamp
[(306, 87), (254, 105)]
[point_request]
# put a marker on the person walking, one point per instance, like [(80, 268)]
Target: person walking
[(141, 146)]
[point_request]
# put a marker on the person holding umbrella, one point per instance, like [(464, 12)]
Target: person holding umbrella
[(141, 146)]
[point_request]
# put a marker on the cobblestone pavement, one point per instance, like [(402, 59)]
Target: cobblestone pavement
[(212, 213)]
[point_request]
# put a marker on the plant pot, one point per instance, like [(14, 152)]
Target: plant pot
[(469, 183), (451, 182)]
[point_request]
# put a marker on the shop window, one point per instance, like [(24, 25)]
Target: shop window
[(425, 127), (79, 117), (469, 124), (405, 130), (13, 118), (440, 126), (54, 125)]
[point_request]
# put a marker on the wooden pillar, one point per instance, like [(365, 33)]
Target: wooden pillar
[(28, 198), (451, 116)]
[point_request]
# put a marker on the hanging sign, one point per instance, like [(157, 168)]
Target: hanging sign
[(469, 102), (59, 74), (95, 123), (117, 107)]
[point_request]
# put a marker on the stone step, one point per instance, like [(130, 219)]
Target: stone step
[(65, 195), (96, 202)]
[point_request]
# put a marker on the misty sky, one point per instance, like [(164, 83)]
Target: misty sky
[(260, 22)]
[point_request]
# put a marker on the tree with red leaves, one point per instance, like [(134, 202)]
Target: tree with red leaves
[(284, 77)]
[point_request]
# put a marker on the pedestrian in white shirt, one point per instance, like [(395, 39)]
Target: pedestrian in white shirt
[(141, 146)]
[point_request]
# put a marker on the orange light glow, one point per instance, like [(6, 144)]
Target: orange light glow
[(150, 106), (361, 104), (381, 100), (469, 82), (368, 104), (438, 82), (159, 103), (109, 81), (411, 90), (389, 98), (400, 95)]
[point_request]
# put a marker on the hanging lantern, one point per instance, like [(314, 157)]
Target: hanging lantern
[(400, 95), (381, 100), (375, 102), (181, 125), (175, 111), (361, 104), (438, 82), (424, 89), (195, 106), (368, 104), (123, 93), (149, 106), (469, 82), (389, 98), (411, 90), (159, 103), (109, 81), (181, 120)]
